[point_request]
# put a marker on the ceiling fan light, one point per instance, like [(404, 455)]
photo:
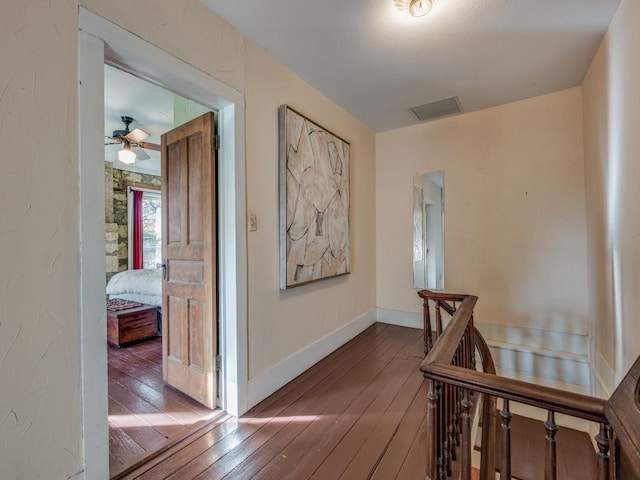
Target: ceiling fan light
[(419, 8), (126, 155)]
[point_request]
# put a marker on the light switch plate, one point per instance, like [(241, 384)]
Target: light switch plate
[(253, 222)]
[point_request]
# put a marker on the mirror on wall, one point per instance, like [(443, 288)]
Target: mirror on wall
[(428, 230)]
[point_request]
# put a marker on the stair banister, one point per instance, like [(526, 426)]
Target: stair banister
[(451, 373)]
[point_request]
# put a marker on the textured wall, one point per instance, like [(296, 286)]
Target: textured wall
[(39, 357), (283, 322), (514, 211), (40, 410)]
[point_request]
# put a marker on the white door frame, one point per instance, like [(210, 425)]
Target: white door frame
[(100, 41)]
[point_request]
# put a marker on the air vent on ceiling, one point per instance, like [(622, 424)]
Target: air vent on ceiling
[(437, 109)]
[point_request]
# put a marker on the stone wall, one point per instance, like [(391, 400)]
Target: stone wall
[(116, 214)]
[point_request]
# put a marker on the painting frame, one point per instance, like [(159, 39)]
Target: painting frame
[(314, 181)]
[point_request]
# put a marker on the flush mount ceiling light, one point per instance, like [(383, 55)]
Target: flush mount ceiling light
[(419, 8), (415, 8)]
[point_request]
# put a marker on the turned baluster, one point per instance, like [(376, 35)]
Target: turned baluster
[(505, 463), (465, 467), (438, 320), (458, 431), (603, 441), (432, 431), (428, 340), (440, 459), (550, 446), (454, 406), (446, 449), (473, 344)]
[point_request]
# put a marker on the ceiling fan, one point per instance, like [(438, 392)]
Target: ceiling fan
[(132, 141)]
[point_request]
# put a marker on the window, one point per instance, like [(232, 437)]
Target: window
[(145, 222)]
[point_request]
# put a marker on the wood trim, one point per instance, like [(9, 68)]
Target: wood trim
[(575, 404), (146, 186), (623, 412)]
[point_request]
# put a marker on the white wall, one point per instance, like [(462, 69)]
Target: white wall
[(612, 149), (514, 211), (39, 344)]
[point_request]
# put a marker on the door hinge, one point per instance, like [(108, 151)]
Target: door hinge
[(218, 362), (215, 142)]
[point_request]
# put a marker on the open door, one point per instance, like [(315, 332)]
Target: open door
[(189, 252)]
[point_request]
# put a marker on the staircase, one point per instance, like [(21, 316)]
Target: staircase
[(576, 457), (462, 380)]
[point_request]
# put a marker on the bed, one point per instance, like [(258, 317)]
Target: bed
[(144, 286)]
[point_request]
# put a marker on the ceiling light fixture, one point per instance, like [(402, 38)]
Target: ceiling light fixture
[(126, 155), (419, 8)]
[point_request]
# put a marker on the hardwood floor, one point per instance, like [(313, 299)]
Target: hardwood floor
[(357, 414), (145, 415)]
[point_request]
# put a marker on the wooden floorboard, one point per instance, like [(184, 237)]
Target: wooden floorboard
[(145, 415), (360, 413)]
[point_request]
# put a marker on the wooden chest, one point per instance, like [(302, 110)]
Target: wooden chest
[(131, 325)]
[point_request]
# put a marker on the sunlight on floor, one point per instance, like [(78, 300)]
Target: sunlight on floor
[(158, 419), (297, 419)]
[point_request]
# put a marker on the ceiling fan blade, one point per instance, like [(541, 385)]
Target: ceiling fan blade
[(150, 146), (140, 153), (136, 136), (112, 140)]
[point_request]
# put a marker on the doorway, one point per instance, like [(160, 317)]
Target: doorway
[(100, 41), (152, 259)]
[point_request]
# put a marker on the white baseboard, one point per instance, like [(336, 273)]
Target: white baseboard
[(541, 363), (571, 343), (542, 354), (269, 381), (400, 318), (554, 356)]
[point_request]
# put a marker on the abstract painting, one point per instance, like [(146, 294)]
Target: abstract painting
[(314, 202)]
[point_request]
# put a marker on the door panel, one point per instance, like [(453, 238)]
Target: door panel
[(189, 248)]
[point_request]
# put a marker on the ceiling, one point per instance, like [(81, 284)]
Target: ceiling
[(150, 106), (376, 62)]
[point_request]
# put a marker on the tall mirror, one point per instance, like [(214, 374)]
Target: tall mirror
[(428, 230)]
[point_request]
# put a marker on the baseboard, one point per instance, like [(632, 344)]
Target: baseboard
[(555, 356), (603, 384), (541, 363), (570, 343), (269, 381), (400, 318), (543, 354)]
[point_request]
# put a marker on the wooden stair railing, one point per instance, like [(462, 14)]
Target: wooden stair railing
[(453, 381)]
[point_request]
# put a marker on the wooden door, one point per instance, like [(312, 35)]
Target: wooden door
[(189, 252)]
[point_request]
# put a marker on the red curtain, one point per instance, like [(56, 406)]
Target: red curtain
[(137, 229)]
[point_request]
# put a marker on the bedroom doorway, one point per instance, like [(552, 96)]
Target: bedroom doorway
[(161, 224), (160, 211), (101, 40)]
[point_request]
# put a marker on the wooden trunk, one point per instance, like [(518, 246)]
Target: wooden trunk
[(131, 325)]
